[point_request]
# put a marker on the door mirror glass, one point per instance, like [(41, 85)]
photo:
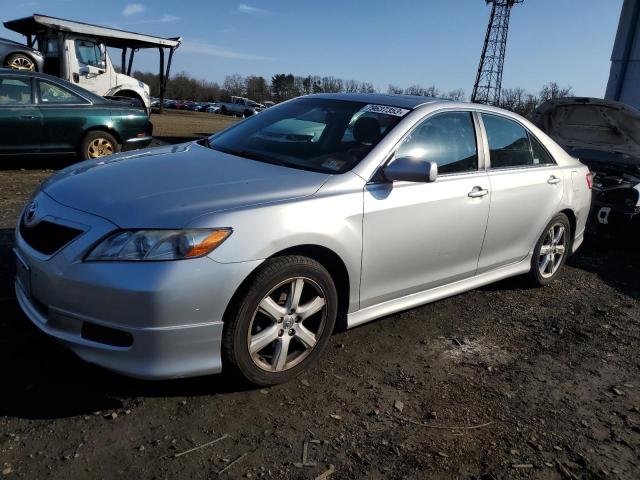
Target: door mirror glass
[(408, 169)]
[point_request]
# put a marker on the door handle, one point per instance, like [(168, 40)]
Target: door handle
[(27, 117), (553, 180), (478, 192)]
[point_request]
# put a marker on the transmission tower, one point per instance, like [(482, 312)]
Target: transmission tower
[(489, 78)]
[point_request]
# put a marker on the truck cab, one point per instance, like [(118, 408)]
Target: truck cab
[(90, 66), (78, 52)]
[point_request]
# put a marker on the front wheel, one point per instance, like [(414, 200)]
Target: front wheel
[(551, 251), (282, 321)]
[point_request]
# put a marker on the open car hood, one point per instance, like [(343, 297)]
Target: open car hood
[(593, 129)]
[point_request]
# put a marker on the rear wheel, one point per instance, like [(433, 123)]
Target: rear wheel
[(282, 322), (20, 61), (98, 144), (551, 251)]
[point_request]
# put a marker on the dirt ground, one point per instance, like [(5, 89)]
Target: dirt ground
[(499, 383)]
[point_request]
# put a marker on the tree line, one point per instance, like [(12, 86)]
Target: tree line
[(281, 87)]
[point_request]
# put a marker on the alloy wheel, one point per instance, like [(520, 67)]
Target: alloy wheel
[(100, 147), (287, 324), (552, 250), (22, 63)]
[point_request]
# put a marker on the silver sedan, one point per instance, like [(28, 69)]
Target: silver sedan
[(244, 250)]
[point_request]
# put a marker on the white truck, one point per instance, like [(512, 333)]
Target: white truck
[(240, 106), (77, 52)]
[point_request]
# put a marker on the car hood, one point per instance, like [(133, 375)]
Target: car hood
[(605, 130), (168, 187)]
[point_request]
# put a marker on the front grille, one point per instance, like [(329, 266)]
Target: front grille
[(47, 237)]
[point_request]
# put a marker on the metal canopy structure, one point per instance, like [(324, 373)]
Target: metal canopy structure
[(128, 42), (489, 77)]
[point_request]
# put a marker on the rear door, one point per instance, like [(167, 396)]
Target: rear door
[(418, 236), (526, 190), (64, 117), (20, 120)]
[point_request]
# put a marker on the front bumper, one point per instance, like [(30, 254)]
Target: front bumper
[(172, 311)]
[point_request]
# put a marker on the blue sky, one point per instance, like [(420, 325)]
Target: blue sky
[(402, 42)]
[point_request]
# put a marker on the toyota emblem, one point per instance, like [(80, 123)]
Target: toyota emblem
[(30, 213)]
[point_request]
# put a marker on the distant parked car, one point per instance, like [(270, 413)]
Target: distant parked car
[(213, 108), (240, 106), (43, 114), (605, 136), (20, 57)]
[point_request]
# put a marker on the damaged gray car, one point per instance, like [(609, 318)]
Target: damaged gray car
[(604, 135)]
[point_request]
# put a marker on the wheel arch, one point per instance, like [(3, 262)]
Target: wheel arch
[(573, 221), (328, 259)]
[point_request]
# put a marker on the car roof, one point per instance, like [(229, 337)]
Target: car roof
[(400, 101), (26, 73)]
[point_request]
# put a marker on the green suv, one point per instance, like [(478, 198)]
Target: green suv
[(42, 114)]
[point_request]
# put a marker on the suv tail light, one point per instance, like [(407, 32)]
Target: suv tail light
[(589, 180)]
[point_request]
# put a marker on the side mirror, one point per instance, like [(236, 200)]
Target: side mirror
[(407, 169), (102, 65)]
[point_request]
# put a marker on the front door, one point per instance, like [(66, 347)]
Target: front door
[(90, 68), (418, 236), (526, 189), (20, 120)]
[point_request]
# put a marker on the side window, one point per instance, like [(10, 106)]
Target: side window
[(50, 93), (540, 154), (508, 143), (88, 53), (449, 139), (15, 91)]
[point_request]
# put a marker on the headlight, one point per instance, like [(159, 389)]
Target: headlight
[(150, 245)]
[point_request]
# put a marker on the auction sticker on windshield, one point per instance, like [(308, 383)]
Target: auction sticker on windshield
[(385, 109)]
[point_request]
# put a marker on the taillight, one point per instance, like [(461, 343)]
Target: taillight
[(589, 180)]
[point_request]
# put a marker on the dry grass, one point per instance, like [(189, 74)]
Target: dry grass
[(175, 126)]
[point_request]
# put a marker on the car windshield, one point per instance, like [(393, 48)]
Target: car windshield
[(321, 135)]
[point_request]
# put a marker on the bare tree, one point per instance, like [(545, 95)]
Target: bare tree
[(455, 95), (234, 85), (552, 90)]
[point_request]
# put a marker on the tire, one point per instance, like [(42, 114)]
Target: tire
[(21, 61), (223, 110), (274, 285), (98, 143), (247, 114), (545, 267)]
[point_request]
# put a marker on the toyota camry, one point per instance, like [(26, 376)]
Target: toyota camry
[(245, 250)]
